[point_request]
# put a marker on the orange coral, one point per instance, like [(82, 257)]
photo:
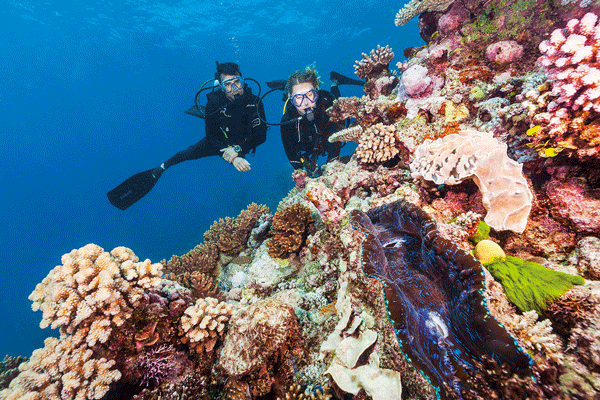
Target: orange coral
[(290, 227), (475, 72)]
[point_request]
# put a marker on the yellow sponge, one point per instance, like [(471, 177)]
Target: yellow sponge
[(487, 251)]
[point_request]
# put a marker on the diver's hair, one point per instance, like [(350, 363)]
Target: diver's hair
[(227, 68), (308, 74)]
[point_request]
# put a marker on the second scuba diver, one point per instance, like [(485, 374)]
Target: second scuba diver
[(233, 123), (306, 138)]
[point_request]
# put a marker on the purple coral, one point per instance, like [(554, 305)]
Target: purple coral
[(163, 364)]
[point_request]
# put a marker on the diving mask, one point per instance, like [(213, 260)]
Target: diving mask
[(312, 96), (232, 84)]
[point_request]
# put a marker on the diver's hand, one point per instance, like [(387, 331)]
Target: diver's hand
[(241, 164), (229, 154)]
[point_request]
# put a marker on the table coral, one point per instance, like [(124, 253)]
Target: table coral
[(94, 290), (289, 231), (203, 323), (62, 370), (351, 134), (416, 7), (478, 155)]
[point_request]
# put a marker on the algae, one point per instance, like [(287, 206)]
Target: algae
[(529, 285)]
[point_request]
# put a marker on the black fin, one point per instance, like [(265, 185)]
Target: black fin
[(344, 80), (132, 189)]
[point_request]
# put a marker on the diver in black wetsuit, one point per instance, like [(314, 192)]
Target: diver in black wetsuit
[(233, 123), (306, 138)]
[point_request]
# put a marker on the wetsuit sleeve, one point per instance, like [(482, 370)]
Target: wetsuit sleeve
[(211, 125), (259, 129), (290, 144)]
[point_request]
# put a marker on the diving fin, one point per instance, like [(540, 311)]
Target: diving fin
[(278, 84), (344, 80), (132, 189)]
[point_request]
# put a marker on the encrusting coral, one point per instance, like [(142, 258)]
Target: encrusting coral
[(478, 155), (94, 291), (204, 323), (289, 231)]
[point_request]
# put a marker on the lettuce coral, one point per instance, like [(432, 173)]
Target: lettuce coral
[(529, 285)]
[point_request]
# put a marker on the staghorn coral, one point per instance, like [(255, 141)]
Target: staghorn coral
[(374, 64), (64, 370), (230, 234), (416, 7), (290, 228), (204, 323), (266, 330), (94, 291), (377, 144), (477, 155)]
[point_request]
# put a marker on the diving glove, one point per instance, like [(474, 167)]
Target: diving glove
[(157, 172)]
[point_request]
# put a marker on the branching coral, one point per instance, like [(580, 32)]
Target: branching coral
[(204, 323), (9, 369), (535, 335), (377, 144), (230, 234), (478, 155), (202, 258), (290, 229), (374, 64), (62, 369), (94, 291)]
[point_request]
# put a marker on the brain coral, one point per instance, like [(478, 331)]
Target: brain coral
[(478, 155), (265, 330), (94, 291)]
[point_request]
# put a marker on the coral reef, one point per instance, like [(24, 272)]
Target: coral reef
[(291, 227)]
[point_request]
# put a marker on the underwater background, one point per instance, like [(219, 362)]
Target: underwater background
[(93, 93)]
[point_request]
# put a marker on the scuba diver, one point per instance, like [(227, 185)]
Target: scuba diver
[(234, 122), (305, 126)]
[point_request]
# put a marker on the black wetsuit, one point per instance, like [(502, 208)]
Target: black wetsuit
[(302, 139), (236, 123)]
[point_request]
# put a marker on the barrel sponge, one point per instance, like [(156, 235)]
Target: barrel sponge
[(481, 157)]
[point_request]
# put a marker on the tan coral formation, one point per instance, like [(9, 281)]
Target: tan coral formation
[(94, 291), (377, 144), (351, 134), (478, 155), (376, 60), (268, 328), (203, 323), (62, 370)]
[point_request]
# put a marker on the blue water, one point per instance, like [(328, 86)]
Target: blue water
[(94, 93)]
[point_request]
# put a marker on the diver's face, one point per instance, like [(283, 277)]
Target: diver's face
[(304, 92), (232, 85)]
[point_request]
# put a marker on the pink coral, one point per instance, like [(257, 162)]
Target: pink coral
[(504, 52), (453, 19), (415, 80), (572, 57)]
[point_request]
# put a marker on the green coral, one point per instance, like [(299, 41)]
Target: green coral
[(529, 285)]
